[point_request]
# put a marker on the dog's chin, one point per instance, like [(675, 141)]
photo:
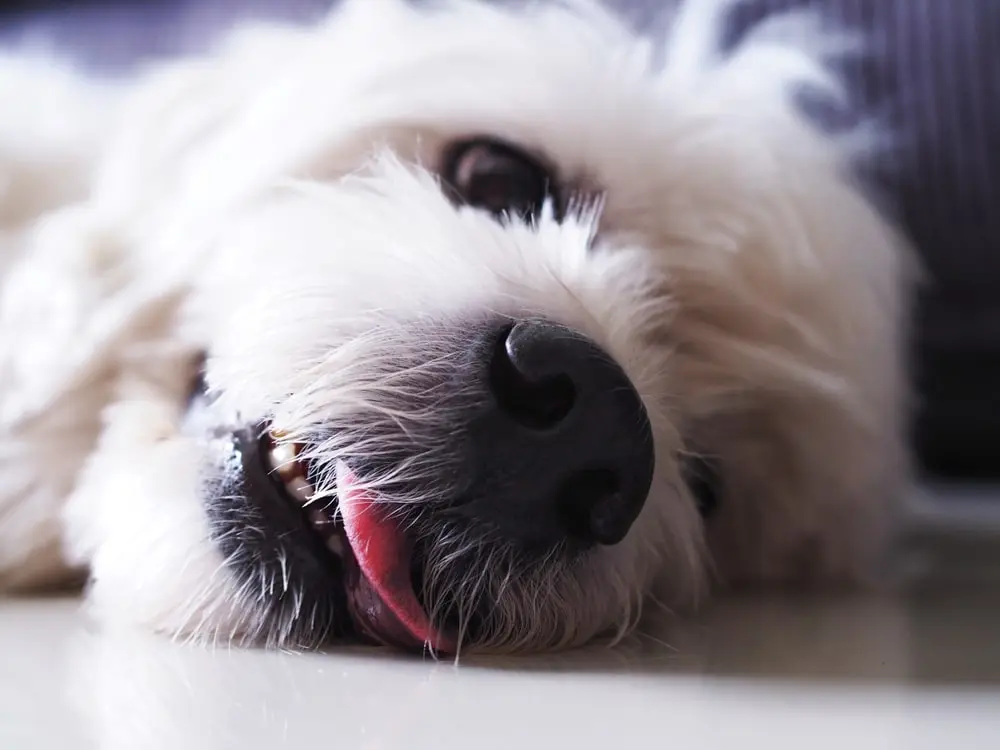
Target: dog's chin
[(335, 562)]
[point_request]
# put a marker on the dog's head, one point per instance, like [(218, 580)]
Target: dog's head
[(495, 306)]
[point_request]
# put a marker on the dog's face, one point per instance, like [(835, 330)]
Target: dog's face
[(460, 417), (472, 333)]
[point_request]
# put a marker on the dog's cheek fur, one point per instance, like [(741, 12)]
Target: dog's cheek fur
[(145, 534), (790, 336)]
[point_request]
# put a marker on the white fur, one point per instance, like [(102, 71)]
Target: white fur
[(271, 203)]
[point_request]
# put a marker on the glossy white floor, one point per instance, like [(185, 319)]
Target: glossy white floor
[(750, 672)]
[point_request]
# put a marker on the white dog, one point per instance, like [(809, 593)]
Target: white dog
[(458, 327)]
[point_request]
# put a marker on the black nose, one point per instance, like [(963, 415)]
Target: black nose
[(563, 452)]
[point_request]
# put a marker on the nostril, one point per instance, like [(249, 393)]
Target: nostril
[(594, 508), (538, 404)]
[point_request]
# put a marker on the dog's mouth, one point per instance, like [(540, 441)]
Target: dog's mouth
[(375, 551), (355, 563)]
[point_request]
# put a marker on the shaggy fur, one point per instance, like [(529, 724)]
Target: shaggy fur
[(275, 207)]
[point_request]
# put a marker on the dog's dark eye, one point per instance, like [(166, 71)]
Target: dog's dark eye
[(702, 475), (497, 177)]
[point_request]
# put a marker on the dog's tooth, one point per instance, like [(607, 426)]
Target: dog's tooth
[(283, 459), (336, 545), (299, 488)]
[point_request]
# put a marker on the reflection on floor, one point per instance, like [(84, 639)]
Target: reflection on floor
[(856, 672)]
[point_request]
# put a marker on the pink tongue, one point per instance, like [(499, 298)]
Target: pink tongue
[(383, 555)]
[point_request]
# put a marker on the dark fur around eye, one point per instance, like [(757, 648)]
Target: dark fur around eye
[(498, 177)]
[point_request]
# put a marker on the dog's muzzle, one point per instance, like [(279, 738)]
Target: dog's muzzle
[(546, 449)]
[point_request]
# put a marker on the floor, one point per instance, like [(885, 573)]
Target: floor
[(876, 672)]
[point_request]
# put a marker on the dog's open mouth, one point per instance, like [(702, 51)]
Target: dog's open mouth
[(352, 559), (374, 550)]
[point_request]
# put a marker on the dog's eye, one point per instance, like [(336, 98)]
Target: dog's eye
[(497, 177), (703, 477)]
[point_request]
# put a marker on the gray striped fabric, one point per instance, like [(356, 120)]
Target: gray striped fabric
[(930, 77)]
